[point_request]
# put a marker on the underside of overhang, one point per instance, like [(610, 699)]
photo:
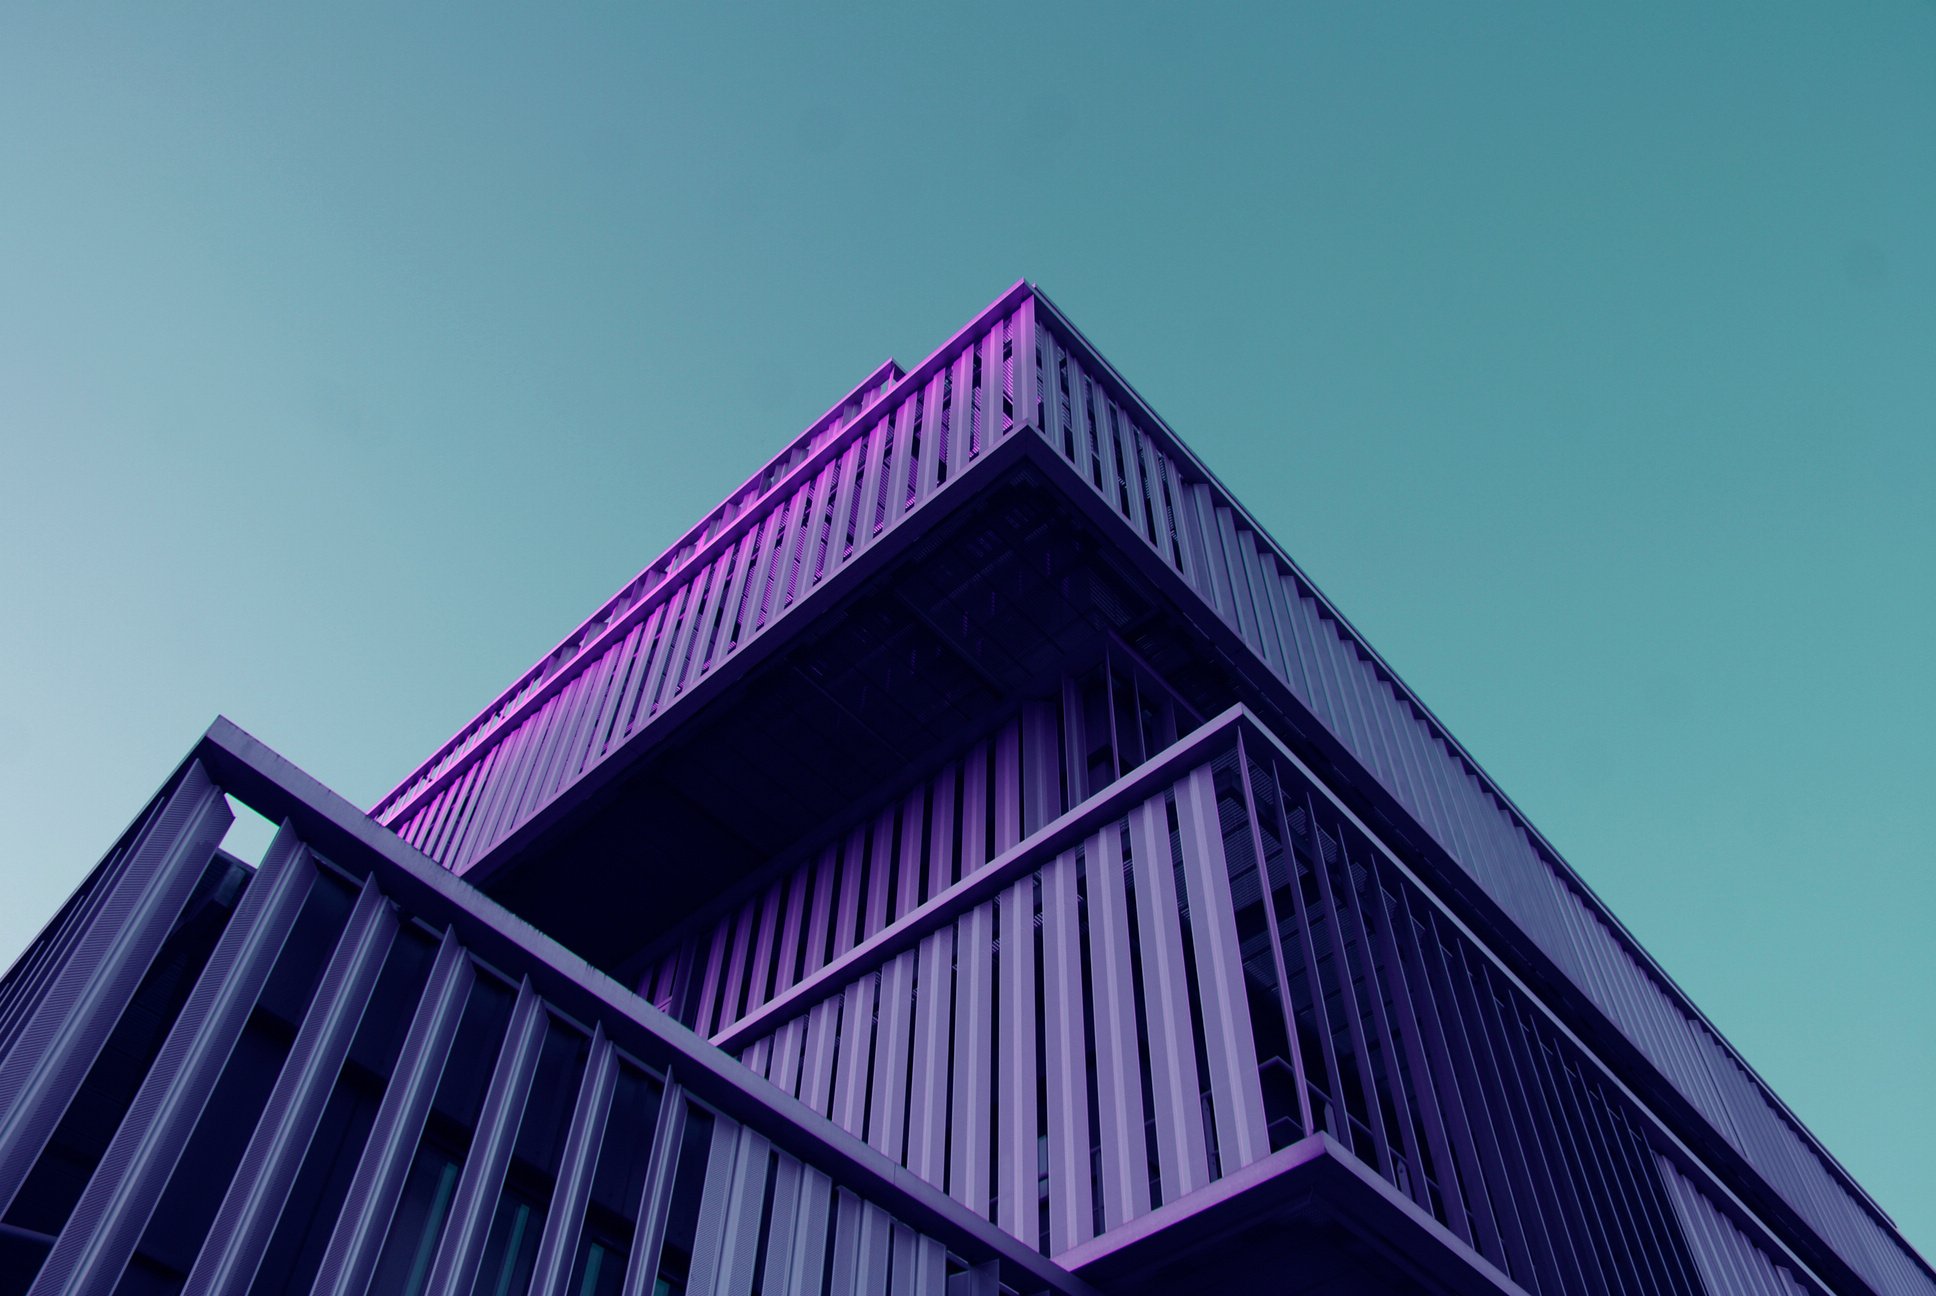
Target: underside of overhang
[(1307, 1220), (891, 668)]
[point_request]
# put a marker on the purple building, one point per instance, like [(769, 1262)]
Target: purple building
[(974, 858)]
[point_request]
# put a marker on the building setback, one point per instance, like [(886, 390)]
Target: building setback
[(974, 858)]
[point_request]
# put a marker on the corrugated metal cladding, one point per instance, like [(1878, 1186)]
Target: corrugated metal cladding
[(345, 1072), (876, 459), (1726, 1259), (1127, 1006)]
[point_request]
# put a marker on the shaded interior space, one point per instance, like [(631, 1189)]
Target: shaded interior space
[(923, 645)]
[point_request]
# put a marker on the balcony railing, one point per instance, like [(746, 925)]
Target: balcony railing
[(1201, 964), (346, 1070)]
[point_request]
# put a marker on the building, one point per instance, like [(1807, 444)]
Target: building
[(973, 858)]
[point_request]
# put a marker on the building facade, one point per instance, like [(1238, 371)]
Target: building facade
[(974, 858)]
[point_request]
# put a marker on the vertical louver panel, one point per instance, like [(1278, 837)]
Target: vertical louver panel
[(1000, 988), (268, 1168), (151, 1140), (345, 1103), (77, 978), (1174, 983)]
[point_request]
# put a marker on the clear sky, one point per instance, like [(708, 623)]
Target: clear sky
[(1587, 360)]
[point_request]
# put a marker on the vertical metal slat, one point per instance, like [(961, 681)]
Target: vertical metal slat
[(61, 1033), (716, 1197), (114, 1208), (886, 1128), (1237, 1098), (1181, 1155), (552, 1269), (1019, 1205), (974, 991), (1071, 1213), (482, 1180), (256, 1194), (1119, 1091), (358, 1234), (933, 1026)]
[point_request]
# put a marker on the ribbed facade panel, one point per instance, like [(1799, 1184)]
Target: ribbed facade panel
[(1727, 1260), (866, 1054), (341, 1072), (1205, 963)]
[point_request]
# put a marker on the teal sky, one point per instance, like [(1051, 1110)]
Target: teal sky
[(1586, 360)]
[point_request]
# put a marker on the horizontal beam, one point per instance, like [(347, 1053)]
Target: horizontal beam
[(1313, 1179)]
